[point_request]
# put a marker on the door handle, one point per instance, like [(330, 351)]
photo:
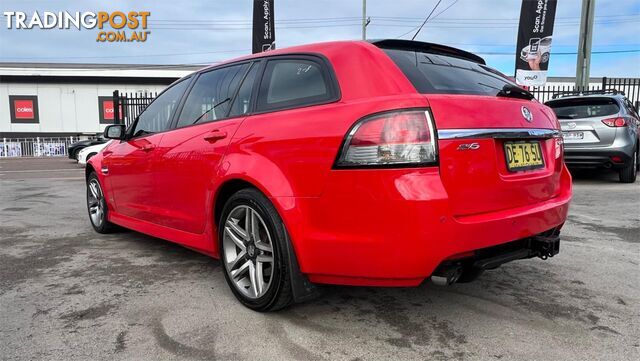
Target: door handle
[(148, 147), (215, 135)]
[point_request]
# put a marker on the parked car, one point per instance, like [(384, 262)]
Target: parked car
[(298, 167), (600, 130), (86, 153), (75, 148), (538, 48)]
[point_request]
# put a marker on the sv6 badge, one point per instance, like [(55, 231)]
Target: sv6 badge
[(469, 146)]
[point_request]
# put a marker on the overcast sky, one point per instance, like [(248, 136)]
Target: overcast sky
[(207, 31)]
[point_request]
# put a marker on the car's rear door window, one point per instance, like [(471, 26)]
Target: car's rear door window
[(440, 74), (242, 103), (584, 108), (288, 83), (211, 96)]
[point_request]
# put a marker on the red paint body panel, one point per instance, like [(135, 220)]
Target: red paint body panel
[(185, 171), (398, 224), (385, 227)]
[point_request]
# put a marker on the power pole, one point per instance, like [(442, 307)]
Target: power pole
[(584, 45), (364, 19)]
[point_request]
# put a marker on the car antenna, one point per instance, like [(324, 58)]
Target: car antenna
[(425, 20)]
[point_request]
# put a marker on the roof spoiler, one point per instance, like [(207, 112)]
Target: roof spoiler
[(427, 48)]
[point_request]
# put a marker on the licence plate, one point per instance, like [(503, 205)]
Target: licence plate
[(523, 155), (573, 135)]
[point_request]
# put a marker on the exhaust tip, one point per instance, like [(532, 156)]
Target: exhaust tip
[(440, 280), (446, 276)]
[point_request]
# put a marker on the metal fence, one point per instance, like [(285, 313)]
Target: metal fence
[(128, 106), (35, 147), (630, 87)]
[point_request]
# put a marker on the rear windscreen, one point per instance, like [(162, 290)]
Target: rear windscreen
[(440, 74), (584, 108)]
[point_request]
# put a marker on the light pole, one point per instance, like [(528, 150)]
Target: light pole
[(364, 19), (584, 45)]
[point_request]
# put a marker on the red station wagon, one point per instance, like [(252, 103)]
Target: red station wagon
[(376, 163)]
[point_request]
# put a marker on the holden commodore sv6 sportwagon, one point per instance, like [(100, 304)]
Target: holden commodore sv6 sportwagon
[(357, 163)]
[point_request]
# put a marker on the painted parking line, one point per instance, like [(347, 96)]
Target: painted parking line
[(66, 178), (38, 170)]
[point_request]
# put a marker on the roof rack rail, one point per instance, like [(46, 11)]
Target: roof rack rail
[(586, 92), (401, 44)]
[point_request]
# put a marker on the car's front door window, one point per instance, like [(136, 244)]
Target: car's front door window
[(157, 116)]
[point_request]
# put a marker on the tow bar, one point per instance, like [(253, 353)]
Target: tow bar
[(544, 245)]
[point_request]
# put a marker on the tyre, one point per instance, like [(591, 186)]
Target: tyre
[(629, 172), (75, 153), (253, 251), (89, 156), (545, 58), (97, 206)]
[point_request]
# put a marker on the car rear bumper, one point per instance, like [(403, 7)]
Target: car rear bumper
[(397, 228), (583, 157)]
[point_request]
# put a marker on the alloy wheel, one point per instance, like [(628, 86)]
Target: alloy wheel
[(95, 203), (248, 250)]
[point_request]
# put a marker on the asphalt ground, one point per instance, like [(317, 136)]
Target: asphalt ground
[(67, 293)]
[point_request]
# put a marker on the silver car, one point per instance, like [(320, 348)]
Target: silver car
[(600, 130)]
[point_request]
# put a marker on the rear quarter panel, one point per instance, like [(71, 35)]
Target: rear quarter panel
[(290, 153)]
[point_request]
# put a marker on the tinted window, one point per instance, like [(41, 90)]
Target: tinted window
[(584, 108), (211, 95), (242, 103), (292, 82), (157, 116), (632, 109), (431, 73)]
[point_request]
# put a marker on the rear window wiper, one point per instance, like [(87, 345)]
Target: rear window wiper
[(510, 91), (513, 91)]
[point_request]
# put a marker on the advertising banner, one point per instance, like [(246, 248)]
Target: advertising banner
[(48, 149), (264, 32), (10, 149), (533, 49)]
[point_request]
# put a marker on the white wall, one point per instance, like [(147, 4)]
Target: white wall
[(63, 108)]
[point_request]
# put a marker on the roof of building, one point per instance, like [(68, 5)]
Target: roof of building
[(76, 70)]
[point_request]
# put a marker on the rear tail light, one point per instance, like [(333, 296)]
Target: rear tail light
[(559, 146), (615, 122), (390, 139)]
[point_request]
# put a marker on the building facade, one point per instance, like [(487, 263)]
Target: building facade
[(72, 100)]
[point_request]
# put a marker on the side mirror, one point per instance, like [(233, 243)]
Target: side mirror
[(115, 131)]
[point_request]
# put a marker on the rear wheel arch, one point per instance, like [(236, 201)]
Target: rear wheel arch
[(225, 191), (298, 288)]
